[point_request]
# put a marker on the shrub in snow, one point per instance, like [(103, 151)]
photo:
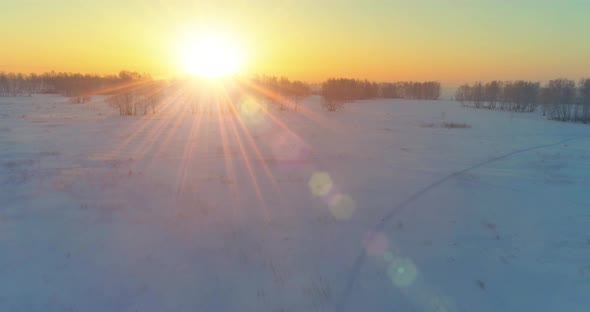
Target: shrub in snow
[(80, 99), (137, 100), (454, 125), (122, 101), (448, 125)]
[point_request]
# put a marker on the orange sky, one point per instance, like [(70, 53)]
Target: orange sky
[(451, 41)]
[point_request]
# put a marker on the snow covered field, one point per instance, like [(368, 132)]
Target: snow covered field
[(374, 208)]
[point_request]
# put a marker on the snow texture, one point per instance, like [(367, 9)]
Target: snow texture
[(378, 207)]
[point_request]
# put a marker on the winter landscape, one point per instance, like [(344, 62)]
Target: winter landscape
[(224, 188), (375, 208)]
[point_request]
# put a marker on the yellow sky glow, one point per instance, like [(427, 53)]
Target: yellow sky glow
[(451, 41)]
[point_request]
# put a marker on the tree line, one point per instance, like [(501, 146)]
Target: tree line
[(77, 86), (559, 99), (132, 93), (281, 93), (337, 91), (204, 97)]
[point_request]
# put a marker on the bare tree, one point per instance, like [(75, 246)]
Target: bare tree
[(584, 90), (123, 101), (492, 93), (561, 96), (462, 94)]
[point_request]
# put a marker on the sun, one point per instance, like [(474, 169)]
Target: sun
[(210, 56)]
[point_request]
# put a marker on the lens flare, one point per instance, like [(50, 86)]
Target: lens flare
[(342, 206), (402, 272), (320, 184)]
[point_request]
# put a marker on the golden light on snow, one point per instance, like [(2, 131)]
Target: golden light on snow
[(320, 183), (250, 107), (342, 206), (209, 55), (402, 272)]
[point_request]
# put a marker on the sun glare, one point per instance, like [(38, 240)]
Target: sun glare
[(210, 56)]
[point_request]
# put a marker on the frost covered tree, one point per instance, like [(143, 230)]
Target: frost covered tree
[(492, 92), (516, 96), (560, 95), (462, 94)]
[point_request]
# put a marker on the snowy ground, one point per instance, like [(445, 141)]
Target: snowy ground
[(375, 208)]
